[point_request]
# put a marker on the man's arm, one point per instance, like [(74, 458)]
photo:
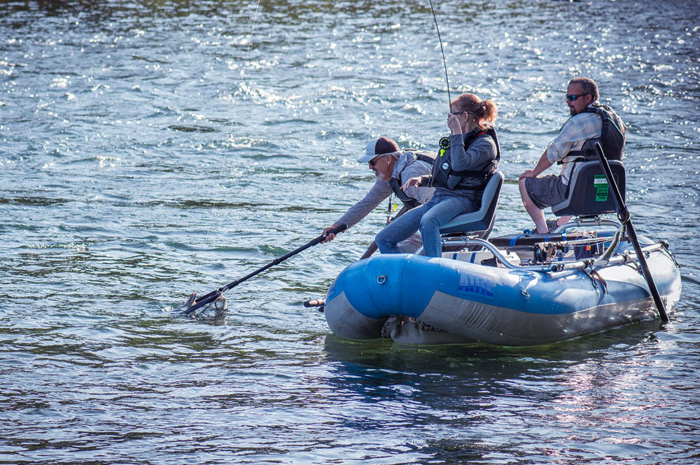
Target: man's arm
[(379, 191), (542, 165)]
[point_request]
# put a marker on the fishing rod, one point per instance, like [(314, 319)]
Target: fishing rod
[(442, 50)]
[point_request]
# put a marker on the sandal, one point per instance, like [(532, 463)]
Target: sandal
[(552, 224)]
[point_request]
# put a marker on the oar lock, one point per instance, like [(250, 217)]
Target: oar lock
[(381, 279)]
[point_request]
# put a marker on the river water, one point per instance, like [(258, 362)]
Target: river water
[(152, 148)]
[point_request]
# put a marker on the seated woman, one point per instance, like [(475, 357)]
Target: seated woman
[(466, 161)]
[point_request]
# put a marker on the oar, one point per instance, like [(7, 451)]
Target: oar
[(373, 246), (623, 215), (199, 302)]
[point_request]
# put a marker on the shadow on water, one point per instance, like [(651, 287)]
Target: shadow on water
[(386, 354), (464, 373)]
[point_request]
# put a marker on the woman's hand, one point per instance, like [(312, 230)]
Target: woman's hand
[(454, 123)]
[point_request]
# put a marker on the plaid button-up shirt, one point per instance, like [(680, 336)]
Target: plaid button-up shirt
[(573, 134)]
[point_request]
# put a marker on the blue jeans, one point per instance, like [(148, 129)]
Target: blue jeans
[(427, 218)]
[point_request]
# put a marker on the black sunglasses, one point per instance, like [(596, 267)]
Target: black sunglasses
[(458, 112), (573, 97), (375, 160)]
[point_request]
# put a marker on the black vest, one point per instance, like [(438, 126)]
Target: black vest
[(445, 176), (410, 202), (611, 137)]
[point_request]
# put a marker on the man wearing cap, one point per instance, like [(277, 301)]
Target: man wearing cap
[(393, 169)]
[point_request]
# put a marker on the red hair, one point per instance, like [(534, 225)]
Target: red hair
[(485, 110)]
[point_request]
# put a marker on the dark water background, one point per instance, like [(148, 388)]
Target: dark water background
[(153, 148)]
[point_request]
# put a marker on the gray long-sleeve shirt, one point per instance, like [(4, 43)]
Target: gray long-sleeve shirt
[(481, 153), (407, 167)]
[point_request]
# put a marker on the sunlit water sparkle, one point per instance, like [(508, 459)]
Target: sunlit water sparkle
[(149, 149)]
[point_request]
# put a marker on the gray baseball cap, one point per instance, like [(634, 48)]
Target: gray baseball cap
[(381, 146)]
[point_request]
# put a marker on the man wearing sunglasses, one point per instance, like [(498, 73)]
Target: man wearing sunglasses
[(393, 168), (539, 192)]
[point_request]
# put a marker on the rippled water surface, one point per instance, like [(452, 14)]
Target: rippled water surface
[(152, 148)]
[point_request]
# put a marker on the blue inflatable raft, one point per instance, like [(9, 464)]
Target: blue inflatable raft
[(502, 294)]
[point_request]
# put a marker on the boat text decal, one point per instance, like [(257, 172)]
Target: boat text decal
[(477, 284)]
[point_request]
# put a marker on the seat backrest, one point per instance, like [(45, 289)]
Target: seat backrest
[(479, 222), (589, 193)]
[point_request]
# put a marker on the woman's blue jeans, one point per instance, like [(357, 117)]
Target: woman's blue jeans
[(427, 218)]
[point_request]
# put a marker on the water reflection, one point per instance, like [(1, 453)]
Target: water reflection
[(482, 370), (481, 394)]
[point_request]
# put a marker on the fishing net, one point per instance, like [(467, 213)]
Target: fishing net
[(215, 311)]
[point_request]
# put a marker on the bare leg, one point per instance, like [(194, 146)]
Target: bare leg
[(563, 220), (535, 213)]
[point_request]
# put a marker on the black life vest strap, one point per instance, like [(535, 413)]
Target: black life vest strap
[(423, 157), (611, 138), (444, 176), (410, 202)]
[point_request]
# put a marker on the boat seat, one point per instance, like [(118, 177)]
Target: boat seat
[(589, 193), (480, 222)]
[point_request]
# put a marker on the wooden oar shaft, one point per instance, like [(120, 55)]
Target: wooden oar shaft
[(370, 250), (647, 272)]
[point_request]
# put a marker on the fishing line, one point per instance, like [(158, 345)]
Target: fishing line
[(444, 62), (245, 59)]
